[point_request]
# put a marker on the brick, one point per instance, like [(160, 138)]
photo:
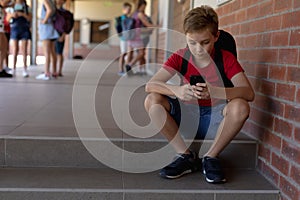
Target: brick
[(277, 73), (291, 19), (280, 38), (245, 28), (220, 11), (265, 119), (240, 16), (235, 30), (250, 41), (270, 105), (258, 26), (265, 153), (235, 5), (298, 96), (262, 101), (265, 40), (273, 23), (273, 140), (277, 107), (297, 134), (266, 8), (296, 4), (280, 163), (293, 74), (288, 56), (248, 3), (282, 5), (292, 112), (267, 88), (254, 130), (295, 37), (283, 127), (227, 20), (252, 12), (291, 151), (227, 8), (268, 56), (261, 71), (285, 91), (295, 174), (268, 172), (249, 68), (289, 188)]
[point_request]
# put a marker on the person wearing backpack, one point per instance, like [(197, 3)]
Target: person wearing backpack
[(212, 101), (126, 10), (20, 19), (48, 35), (60, 42), (136, 42)]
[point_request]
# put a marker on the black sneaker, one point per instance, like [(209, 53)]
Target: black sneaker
[(128, 70), (212, 170), (4, 74), (182, 164)]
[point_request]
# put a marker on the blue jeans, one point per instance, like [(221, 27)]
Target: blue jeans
[(194, 121)]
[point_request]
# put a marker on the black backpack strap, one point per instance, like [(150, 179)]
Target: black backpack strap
[(226, 42), (185, 62), (218, 59)]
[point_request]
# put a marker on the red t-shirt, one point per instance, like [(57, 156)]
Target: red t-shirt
[(210, 72)]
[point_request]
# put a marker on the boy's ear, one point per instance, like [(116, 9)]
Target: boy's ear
[(217, 36)]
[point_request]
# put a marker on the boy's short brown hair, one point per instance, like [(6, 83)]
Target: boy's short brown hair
[(126, 4), (203, 17)]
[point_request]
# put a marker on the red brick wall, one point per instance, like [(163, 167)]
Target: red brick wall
[(268, 39)]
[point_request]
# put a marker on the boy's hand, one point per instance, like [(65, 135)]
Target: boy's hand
[(184, 92), (200, 91)]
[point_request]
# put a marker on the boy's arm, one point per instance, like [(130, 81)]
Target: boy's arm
[(157, 84)]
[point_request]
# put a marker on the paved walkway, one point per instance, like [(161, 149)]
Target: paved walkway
[(32, 107)]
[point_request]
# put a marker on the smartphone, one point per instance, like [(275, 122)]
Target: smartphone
[(194, 79)]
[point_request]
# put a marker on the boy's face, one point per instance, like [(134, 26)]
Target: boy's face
[(126, 10), (201, 42)]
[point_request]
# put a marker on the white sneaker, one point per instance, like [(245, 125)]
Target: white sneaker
[(25, 74), (13, 72), (42, 77), (7, 69)]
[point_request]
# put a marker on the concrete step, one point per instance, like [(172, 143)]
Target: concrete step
[(49, 150), (106, 184)]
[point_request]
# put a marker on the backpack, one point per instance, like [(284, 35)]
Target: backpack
[(226, 42), (118, 25), (63, 21), (128, 25)]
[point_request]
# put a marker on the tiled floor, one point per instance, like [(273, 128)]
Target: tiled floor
[(32, 107)]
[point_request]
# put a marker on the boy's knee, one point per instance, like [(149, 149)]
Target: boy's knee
[(237, 109), (152, 99)]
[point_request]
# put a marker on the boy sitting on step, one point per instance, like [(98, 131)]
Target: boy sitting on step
[(220, 110)]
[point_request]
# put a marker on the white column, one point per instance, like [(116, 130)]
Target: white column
[(34, 28)]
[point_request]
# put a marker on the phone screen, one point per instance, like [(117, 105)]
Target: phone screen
[(194, 79)]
